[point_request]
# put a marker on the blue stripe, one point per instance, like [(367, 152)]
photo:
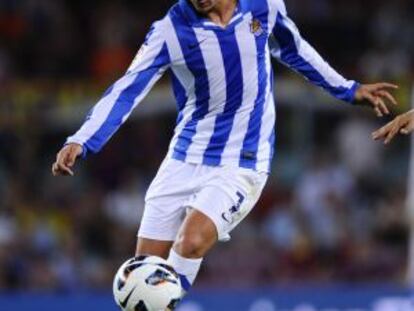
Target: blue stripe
[(234, 87), (258, 7), (189, 12), (149, 34), (108, 91), (245, 6), (251, 140), (125, 102), (272, 139), (290, 55), (196, 64), (180, 96), (185, 284)]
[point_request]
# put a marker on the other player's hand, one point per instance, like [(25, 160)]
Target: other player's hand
[(403, 124), (376, 95), (65, 160)]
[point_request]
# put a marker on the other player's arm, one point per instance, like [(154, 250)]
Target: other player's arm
[(288, 46), (117, 103), (403, 124)]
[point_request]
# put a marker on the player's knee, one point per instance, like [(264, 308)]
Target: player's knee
[(190, 245)]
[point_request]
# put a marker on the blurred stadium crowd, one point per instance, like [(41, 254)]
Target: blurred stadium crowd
[(334, 208)]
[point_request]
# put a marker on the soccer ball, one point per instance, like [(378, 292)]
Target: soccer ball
[(147, 283)]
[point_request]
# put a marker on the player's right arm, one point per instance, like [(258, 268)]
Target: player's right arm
[(114, 108)]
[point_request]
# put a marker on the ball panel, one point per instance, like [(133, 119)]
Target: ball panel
[(146, 283), (173, 304), (159, 277), (141, 307)]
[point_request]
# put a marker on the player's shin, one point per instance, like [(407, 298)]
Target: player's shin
[(186, 268)]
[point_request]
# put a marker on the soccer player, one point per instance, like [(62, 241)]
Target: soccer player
[(218, 53), (403, 124)]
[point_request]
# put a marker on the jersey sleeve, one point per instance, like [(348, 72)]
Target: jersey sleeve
[(288, 46), (117, 103)]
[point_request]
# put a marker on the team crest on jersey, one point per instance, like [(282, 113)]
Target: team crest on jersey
[(256, 27)]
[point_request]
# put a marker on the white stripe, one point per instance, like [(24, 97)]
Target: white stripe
[(310, 55), (328, 73), (149, 51), (185, 77), (273, 11), (268, 121), (210, 49), (145, 91), (103, 108), (268, 117), (236, 17), (101, 111), (247, 46)]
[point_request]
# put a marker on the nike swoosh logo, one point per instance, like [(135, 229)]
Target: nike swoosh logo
[(125, 302), (225, 217), (194, 45)]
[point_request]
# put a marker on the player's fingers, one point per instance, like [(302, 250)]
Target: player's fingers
[(370, 98), (54, 169), (391, 134), (382, 132), (61, 162), (61, 156), (410, 126), (390, 137), (55, 166), (375, 102), (379, 133), (386, 85), (378, 112), (71, 158), (388, 96), (382, 106), (64, 170), (64, 162), (407, 127)]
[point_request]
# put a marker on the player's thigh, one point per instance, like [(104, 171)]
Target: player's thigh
[(153, 247), (229, 197), (197, 235), (165, 202)]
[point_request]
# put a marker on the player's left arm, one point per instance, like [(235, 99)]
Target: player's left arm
[(288, 46)]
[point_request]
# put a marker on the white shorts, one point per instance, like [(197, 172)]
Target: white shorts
[(225, 194)]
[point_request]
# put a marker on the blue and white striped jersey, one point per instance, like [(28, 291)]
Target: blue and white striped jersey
[(222, 80)]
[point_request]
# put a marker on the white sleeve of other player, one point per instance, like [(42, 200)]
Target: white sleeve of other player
[(124, 95), (288, 46)]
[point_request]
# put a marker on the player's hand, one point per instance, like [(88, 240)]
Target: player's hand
[(403, 124), (376, 95), (65, 160)]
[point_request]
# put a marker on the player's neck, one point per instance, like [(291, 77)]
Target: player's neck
[(222, 12)]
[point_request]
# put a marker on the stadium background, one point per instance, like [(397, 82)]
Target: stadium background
[(330, 231)]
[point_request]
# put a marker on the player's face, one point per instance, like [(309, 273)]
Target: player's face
[(204, 6)]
